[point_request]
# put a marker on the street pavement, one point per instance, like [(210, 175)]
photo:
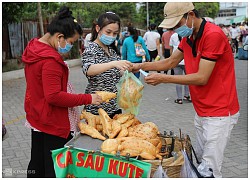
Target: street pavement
[(157, 106)]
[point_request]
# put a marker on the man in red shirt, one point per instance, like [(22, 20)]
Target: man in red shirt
[(210, 75)]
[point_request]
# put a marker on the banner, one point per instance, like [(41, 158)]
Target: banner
[(80, 163)]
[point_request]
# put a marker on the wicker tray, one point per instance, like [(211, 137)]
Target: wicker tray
[(172, 166)]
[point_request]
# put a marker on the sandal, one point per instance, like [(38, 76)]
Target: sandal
[(178, 101), (187, 98)]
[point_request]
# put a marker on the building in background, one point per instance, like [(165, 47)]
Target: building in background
[(232, 12)]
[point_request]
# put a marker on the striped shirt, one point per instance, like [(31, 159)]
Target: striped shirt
[(105, 81)]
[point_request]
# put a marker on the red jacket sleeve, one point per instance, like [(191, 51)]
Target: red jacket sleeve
[(55, 87)]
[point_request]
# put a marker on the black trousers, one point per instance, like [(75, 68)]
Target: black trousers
[(152, 54), (167, 55), (41, 163)]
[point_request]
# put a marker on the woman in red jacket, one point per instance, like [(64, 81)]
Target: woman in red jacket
[(46, 99)]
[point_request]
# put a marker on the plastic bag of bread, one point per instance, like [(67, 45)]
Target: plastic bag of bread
[(130, 90)]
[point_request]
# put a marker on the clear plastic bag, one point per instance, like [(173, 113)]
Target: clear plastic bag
[(160, 173), (204, 169), (130, 90), (186, 169)]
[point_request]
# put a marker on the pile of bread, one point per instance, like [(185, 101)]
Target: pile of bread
[(124, 133)]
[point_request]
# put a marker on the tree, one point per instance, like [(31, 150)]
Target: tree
[(40, 17), (207, 9), (87, 12), (12, 12), (156, 16), (49, 9), (20, 11), (155, 13)]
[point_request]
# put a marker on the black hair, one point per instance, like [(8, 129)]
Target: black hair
[(64, 23), (152, 26), (133, 32), (221, 25), (104, 20), (196, 13)]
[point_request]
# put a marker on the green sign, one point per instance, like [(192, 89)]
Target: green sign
[(80, 163), (238, 19)]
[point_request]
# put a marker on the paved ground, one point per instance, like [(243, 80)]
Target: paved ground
[(157, 106)]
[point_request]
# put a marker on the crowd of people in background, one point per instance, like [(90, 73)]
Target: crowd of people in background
[(237, 35), (157, 37)]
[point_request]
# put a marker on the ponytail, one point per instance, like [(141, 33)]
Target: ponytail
[(64, 23), (133, 32)]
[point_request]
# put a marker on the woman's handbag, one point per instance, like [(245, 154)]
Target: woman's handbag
[(139, 51)]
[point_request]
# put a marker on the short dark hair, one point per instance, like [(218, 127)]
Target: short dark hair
[(64, 23), (152, 26)]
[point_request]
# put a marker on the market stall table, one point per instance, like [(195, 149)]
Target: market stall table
[(81, 157)]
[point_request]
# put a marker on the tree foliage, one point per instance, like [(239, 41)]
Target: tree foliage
[(48, 10), (87, 12), (155, 11), (17, 12), (12, 12), (207, 9)]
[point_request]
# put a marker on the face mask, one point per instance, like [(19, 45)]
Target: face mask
[(66, 49), (107, 40), (164, 30), (185, 31)]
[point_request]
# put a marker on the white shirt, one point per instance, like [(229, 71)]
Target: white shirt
[(235, 32), (150, 38), (87, 39), (174, 42)]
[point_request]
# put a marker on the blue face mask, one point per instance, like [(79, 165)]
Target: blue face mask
[(184, 31), (66, 49), (164, 30), (107, 40)]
